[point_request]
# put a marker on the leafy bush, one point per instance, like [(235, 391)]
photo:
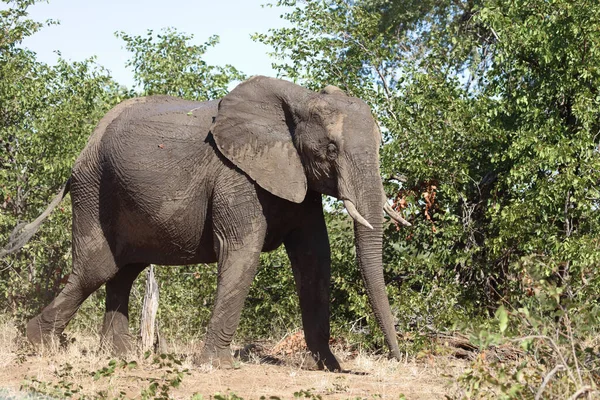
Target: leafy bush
[(46, 116), (491, 116)]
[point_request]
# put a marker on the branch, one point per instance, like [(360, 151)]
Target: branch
[(386, 89), (572, 341), (547, 378), (398, 177), (568, 223), (554, 347), (580, 392)]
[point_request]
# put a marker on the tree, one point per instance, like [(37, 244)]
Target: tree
[(490, 109), (490, 112), (46, 116), (167, 63)]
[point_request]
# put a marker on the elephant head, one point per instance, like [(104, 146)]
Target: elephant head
[(289, 139)]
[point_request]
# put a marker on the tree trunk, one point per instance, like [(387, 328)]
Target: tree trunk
[(148, 325)]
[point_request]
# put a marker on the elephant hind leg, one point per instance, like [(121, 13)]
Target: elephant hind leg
[(91, 269), (115, 328)]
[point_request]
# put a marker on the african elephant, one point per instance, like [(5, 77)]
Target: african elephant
[(171, 182)]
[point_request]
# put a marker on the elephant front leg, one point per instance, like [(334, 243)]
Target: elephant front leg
[(237, 267), (309, 253)]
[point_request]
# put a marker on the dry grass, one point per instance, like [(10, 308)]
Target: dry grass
[(78, 369)]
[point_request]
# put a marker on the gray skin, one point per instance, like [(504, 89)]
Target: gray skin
[(172, 182)]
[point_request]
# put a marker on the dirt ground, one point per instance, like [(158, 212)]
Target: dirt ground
[(81, 371)]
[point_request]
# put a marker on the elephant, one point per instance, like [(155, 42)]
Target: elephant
[(169, 181)]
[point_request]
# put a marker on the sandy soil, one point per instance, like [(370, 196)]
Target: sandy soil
[(81, 370)]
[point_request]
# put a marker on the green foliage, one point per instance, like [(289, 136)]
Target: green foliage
[(46, 116), (272, 308), (40, 389), (168, 365), (14, 24), (109, 370), (167, 63), (307, 394), (490, 116), (227, 396), (186, 298), (490, 110), (171, 378), (550, 358), (64, 388)]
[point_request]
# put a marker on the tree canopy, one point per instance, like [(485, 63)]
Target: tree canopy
[(489, 108)]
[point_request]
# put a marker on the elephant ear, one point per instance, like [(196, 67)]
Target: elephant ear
[(254, 129)]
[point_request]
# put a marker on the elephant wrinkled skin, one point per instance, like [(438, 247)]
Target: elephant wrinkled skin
[(170, 181)]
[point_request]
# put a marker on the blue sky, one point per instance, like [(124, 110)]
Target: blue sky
[(87, 29)]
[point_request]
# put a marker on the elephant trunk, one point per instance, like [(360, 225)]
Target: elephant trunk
[(369, 256)]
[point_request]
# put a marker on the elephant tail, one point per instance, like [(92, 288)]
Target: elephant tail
[(24, 231)]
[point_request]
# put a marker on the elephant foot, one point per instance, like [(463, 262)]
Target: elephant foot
[(322, 361), (42, 335), (219, 358)]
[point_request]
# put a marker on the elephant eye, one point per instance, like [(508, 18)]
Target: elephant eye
[(332, 151)]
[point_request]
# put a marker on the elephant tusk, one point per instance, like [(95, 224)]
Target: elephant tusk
[(351, 208), (395, 215)]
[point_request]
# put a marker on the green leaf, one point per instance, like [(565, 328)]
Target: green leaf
[(502, 317)]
